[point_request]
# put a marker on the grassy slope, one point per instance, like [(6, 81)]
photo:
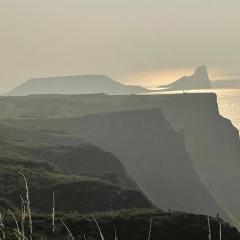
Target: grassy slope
[(83, 193)]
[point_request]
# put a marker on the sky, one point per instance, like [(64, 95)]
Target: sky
[(147, 42)]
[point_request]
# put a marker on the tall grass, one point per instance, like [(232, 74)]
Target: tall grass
[(98, 227), (28, 207), (20, 231), (53, 213), (2, 227), (209, 229), (150, 229), (68, 230)]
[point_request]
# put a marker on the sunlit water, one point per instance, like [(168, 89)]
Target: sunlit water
[(229, 105)]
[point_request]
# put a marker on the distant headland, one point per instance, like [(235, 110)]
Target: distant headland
[(198, 80)]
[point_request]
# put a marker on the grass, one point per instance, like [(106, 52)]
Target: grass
[(19, 224), (21, 233)]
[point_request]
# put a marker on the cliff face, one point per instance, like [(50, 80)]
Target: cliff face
[(87, 160), (211, 140), (213, 144), (152, 152)]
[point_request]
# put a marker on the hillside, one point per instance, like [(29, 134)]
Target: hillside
[(86, 160), (211, 140), (83, 192), (82, 84), (148, 146)]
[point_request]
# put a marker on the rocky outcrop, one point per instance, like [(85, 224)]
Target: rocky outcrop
[(199, 80)]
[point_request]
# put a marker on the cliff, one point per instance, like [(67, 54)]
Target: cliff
[(152, 152), (211, 140)]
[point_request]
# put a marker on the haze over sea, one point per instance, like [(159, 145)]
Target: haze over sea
[(229, 104)]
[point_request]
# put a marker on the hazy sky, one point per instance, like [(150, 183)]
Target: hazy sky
[(136, 41)]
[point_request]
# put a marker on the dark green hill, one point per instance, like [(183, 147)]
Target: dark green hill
[(88, 160), (198, 80), (85, 191)]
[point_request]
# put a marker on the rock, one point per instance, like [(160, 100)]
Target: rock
[(199, 80)]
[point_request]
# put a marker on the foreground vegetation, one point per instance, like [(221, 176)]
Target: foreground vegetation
[(22, 224)]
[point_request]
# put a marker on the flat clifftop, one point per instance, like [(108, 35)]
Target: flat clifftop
[(63, 106), (151, 150)]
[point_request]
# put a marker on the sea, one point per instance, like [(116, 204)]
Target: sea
[(229, 104)]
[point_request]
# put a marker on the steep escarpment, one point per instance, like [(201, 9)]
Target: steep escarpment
[(211, 140), (214, 147), (152, 152)]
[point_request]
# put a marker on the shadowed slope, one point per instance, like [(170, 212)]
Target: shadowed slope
[(152, 152), (211, 140), (107, 190)]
